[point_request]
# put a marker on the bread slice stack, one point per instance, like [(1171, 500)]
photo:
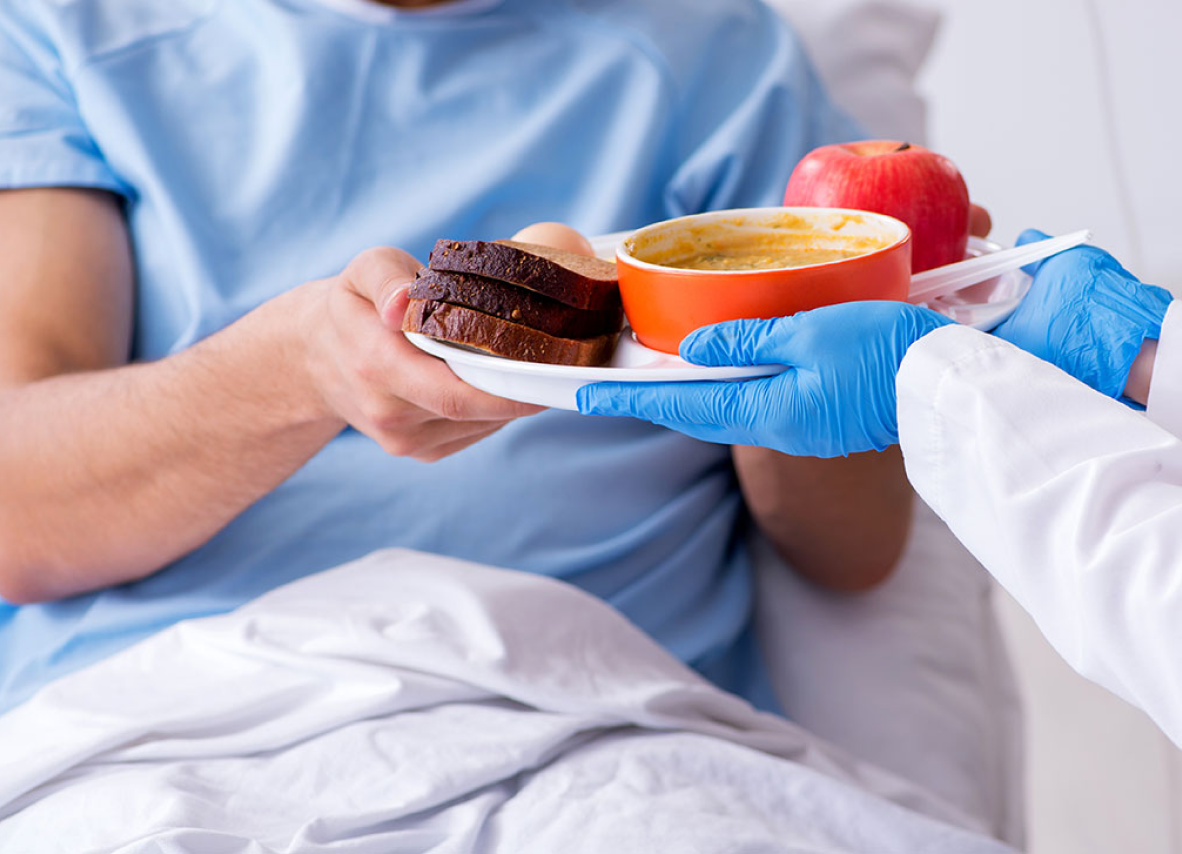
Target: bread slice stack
[(518, 300)]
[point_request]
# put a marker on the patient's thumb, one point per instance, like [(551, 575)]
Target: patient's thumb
[(393, 305)]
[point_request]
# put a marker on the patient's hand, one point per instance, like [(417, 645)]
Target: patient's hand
[(113, 469), (366, 373)]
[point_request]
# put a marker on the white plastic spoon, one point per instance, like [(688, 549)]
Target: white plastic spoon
[(950, 278)]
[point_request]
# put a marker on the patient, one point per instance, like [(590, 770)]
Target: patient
[(204, 394)]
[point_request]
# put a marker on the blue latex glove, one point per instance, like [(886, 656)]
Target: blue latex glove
[(836, 397), (1086, 314)]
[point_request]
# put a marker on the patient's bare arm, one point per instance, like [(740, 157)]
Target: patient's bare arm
[(842, 523), (109, 470), (1141, 373)]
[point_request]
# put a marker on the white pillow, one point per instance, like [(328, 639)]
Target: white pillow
[(868, 53)]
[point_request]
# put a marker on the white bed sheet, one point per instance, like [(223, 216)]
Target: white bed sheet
[(407, 702)]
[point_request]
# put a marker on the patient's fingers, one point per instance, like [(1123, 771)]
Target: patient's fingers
[(980, 222), (448, 449), (427, 381), (430, 438), (370, 375)]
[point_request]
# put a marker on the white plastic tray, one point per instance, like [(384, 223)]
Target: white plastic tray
[(982, 306)]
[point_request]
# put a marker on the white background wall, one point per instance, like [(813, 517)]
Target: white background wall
[(1066, 114)]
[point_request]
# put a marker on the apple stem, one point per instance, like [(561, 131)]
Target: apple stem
[(903, 147)]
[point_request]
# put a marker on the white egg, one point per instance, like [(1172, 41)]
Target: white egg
[(556, 236)]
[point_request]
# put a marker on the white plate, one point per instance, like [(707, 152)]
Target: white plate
[(982, 306), (555, 385), (986, 304)]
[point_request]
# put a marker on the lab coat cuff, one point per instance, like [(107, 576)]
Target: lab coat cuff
[(1165, 388), (927, 365)]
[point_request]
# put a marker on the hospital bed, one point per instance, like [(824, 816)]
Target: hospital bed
[(912, 677)]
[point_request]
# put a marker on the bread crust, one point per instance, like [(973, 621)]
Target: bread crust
[(516, 304), (575, 280), (471, 328)]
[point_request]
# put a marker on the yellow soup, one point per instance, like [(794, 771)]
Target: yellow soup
[(745, 259), (774, 244)]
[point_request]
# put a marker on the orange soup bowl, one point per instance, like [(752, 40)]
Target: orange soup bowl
[(796, 249)]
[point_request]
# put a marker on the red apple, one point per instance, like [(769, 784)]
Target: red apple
[(908, 182)]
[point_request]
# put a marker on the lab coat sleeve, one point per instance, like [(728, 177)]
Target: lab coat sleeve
[(1071, 500), (1165, 389)]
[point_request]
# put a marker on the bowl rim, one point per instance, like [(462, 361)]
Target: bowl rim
[(623, 256)]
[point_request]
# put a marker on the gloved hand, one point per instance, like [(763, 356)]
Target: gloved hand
[(836, 397), (1086, 314)]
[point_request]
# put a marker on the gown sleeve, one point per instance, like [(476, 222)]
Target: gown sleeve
[(44, 141)]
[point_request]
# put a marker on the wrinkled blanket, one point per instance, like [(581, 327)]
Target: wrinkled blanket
[(411, 703)]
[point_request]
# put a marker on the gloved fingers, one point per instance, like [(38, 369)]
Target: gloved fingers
[(718, 412), (1097, 255), (737, 342), (660, 403), (604, 399), (1032, 235)]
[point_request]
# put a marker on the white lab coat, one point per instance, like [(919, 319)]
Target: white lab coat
[(1073, 501)]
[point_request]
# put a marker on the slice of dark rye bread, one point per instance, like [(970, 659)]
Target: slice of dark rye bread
[(519, 305), (501, 337), (576, 280)]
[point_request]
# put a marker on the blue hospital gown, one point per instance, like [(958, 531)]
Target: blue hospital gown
[(259, 144)]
